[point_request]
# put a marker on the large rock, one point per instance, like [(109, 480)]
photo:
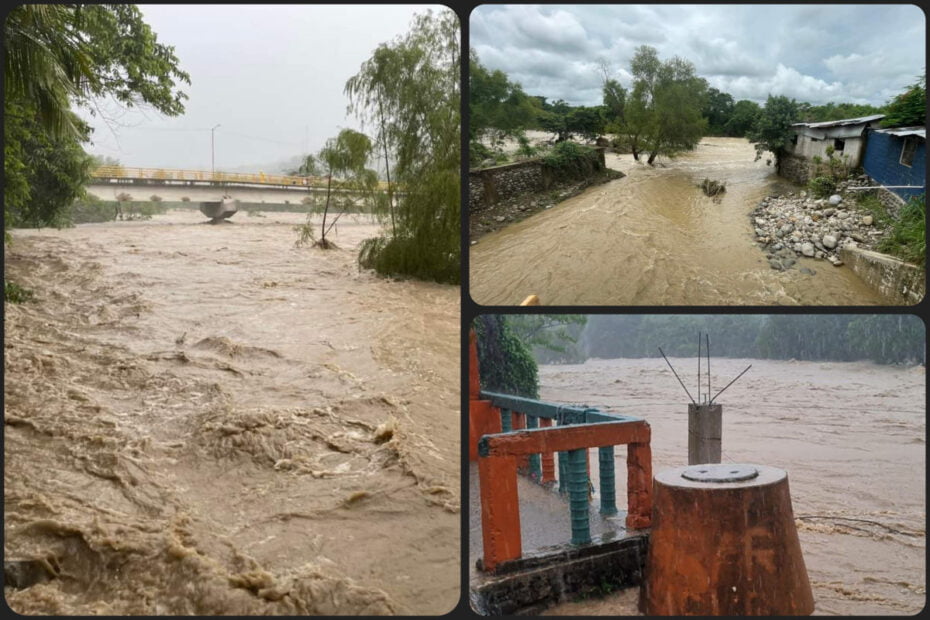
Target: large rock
[(807, 249), (829, 242), (867, 220), (835, 199)]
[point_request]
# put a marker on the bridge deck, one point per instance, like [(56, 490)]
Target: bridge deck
[(126, 174), (544, 519)]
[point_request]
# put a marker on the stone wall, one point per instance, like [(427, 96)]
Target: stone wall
[(794, 168), (488, 186), (897, 281), (533, 584)]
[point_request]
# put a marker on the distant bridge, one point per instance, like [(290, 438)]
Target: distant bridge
[(123, 175)]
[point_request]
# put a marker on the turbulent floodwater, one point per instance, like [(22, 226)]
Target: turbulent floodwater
[(850, 435), (205, 419), (653, 238)]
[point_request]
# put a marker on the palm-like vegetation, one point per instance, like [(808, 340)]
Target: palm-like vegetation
[(46, 64)]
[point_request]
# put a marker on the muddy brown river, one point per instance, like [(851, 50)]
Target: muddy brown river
[(653, 238), (208, 420), (852, 437)]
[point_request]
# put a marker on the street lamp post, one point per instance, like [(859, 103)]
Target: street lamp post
[(213, 151)]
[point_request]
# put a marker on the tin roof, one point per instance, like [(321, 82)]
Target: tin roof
[(840, 123), (906, 131)]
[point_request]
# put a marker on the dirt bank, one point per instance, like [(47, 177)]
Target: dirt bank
[(206, 419), (852, 437)]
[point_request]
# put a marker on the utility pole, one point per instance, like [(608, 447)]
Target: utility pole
[(213, 151)]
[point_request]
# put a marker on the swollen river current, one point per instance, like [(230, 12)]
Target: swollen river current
[(653, 238), (208, 420)]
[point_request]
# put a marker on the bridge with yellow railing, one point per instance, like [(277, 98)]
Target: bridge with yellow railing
[(165, 176)]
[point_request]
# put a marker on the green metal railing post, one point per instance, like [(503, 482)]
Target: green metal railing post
[(578, 496), (605, 461), (535, 459), (563, 472), (506, 421)]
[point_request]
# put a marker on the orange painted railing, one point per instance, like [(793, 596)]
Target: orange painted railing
[(501, 452)]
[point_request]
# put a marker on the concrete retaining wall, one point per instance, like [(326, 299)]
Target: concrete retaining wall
[(896, 280), (488, 186)]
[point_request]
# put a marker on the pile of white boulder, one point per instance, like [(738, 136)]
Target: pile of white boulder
[(799, 225)]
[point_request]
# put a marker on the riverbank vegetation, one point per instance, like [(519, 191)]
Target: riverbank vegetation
[(409, 91), (61, 57), (661, 111), (884, 339), (505, 363)]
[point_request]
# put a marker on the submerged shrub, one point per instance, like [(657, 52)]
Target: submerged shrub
[(568, 160), (15, 294)]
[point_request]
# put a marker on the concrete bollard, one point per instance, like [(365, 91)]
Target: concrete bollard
[(705, 427), (723, 542)]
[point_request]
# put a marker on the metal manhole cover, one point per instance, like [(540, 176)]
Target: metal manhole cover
[(720, 473)]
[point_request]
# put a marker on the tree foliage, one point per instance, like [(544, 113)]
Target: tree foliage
[(663, 114), (772, 129), (908, 108), (505, 363), (718, 109), (742, 118), (838, 337), (344, 157), (498, 108), (417, 86), (59, 56), (48, 172), (548, 336)]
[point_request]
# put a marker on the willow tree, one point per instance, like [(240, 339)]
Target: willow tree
[(345, 157), (410, 90)]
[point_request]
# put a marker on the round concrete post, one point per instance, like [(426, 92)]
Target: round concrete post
[(723, 542)]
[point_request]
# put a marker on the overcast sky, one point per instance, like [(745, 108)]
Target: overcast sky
[(813, 53), (271, 76)]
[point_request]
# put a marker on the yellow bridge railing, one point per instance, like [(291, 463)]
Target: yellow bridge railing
[(164, 174)]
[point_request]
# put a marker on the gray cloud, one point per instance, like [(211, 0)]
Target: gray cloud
[(271, 75), (814, 53)]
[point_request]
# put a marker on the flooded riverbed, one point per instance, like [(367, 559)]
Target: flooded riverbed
[(850, 435), (206, 419), (653, 238)]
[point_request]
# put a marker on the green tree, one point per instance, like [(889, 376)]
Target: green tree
[(505, 363), (772, 129), (550, 337), (57, 56), (420, 99), (368, 93), (345, 157), (614, 100), (908, 108), (498, 108), (586, 121), (742, 118), (718, 109), (53, 172), (664, 110)]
